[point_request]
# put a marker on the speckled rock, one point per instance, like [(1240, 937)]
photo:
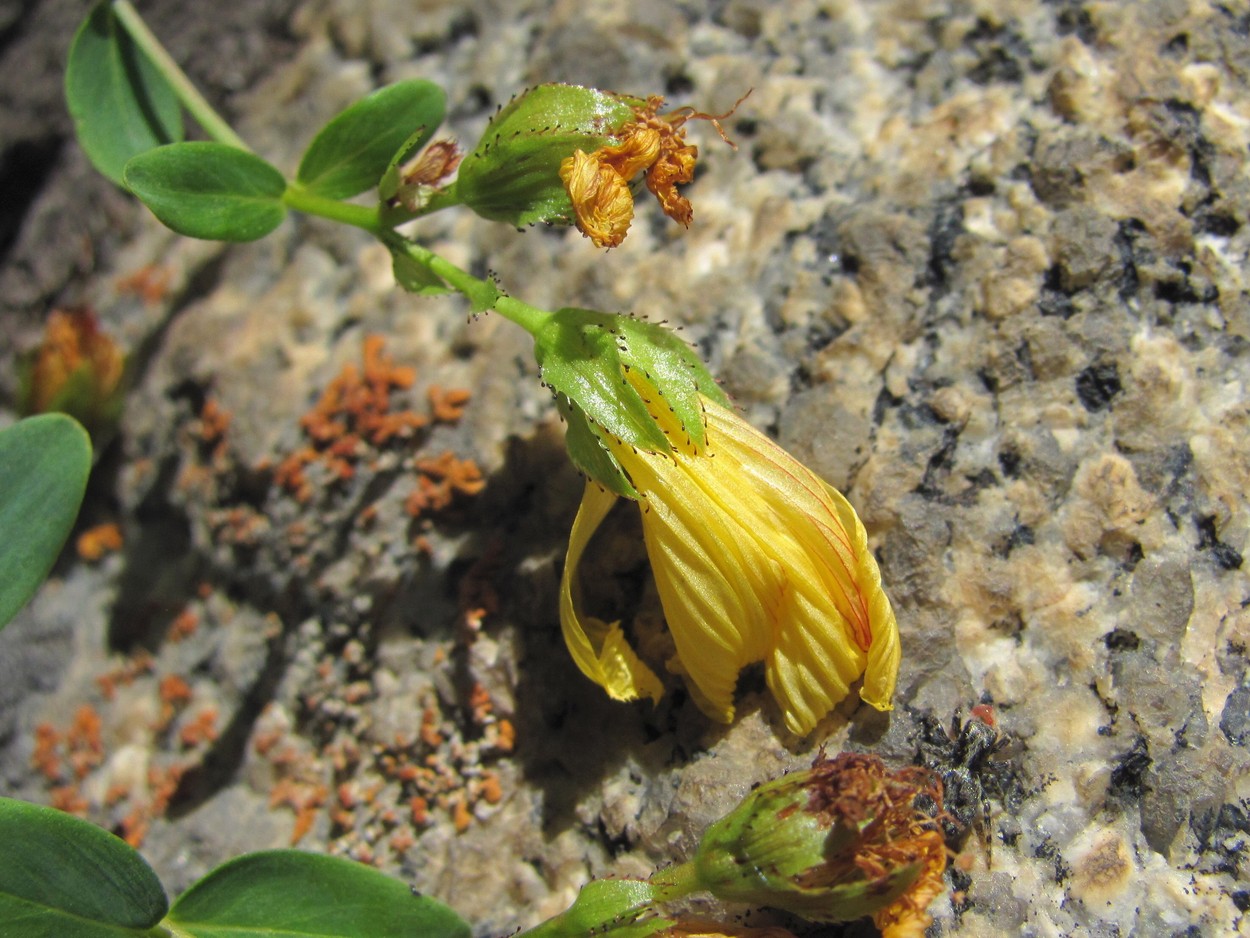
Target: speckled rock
[(981, 265)]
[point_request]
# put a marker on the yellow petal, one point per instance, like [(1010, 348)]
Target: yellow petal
[(756, 559), (715, 578), (599, 648)]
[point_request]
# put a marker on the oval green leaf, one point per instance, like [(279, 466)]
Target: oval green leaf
[(209, 190), (352, 152), (297, 894), (121, 104), (60, 875), (44, 464)]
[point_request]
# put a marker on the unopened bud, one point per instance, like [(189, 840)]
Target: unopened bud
[(513, 174), (77, 369)]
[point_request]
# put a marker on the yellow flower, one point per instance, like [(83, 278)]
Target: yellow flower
[(598, 182), (756, 559)]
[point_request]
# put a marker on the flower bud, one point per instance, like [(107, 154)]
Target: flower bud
[(562, 154), (513, 173), (77, 369), (836, 842), (622, 379)]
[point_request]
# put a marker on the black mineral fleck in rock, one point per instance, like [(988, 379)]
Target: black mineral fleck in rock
[(1097, 385), (1235, 720)]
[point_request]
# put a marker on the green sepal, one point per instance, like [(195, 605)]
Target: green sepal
[(355, 150), (589, 454), (388, 185), (585, 357), (120, 102), (580, 358), (60, 875), (209, 190), (673, 367), (513, 173)]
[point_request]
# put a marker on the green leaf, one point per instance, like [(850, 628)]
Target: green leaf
[(352, 152), (209, 190), (301, 895), (44, 464), (121, 104), (60, 876)]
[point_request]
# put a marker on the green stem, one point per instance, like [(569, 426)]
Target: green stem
[(394, 216), (676, 882), (482, 294), (212, 122), (360, 216)]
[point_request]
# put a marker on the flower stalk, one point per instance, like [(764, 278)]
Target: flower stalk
[(205, 115)]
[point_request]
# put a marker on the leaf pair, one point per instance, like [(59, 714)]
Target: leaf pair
[(129, 121), (63, 876)]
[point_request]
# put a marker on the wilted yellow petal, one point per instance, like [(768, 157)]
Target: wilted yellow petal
[(601, 198), (908, 917), (639, 149), (674, 167), (599, 648)]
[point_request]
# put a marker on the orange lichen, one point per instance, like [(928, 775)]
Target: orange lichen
[(402, 841), (461, 817), (97, 541), (86, 748), (150, 283), (200, 729), (448, 406), (441, 479), (491, 788), (420, 810), (163, 784), (358, 401), (214, 421), (138, 664), (429, 728), (174, 693), (69, 799), (480, 704), (352, 416), (184, 626), (349, 795), (45, 759), (305, 798)]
